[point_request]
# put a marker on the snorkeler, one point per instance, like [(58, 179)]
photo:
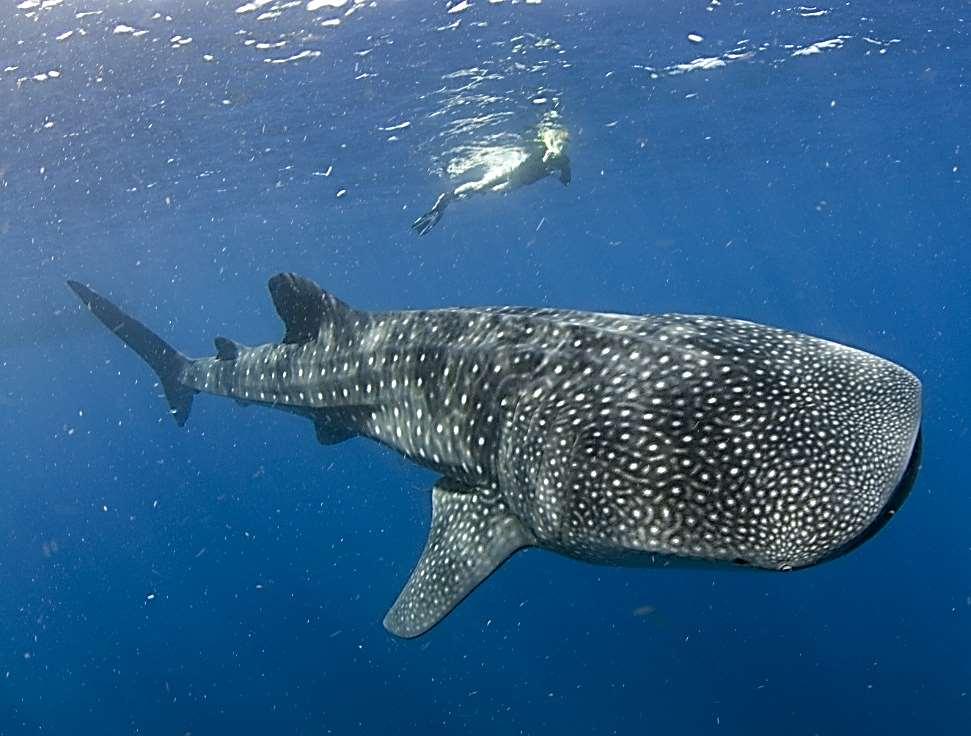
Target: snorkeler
[(546, 155)]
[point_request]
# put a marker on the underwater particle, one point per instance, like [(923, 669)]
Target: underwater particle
[(703, 64), (459, 7), (642, 611), (341, 193), (695, 38), (251, 6), (820, 46), (318, 4), (208, 57), (305, 54)]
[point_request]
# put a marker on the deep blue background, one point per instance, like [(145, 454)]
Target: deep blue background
[(826, 193)]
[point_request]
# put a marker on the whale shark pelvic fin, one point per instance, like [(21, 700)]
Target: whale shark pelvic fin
[(472, 533)]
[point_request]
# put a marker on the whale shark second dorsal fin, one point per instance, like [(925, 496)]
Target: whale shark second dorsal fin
[(472, 533), (304, 307), (226, 349)]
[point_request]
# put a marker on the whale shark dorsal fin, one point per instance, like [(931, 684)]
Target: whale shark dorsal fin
[(304, 307), (472, 533), (226, 349)]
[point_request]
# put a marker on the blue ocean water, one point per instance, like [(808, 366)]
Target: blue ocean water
[(802, 166)]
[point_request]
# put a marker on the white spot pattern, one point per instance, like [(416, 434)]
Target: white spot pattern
[(603, 437)]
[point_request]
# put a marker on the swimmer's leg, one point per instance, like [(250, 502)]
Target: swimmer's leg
[(427, 221), (471, 187)]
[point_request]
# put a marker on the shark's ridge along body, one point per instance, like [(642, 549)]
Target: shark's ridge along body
[(608, 438)]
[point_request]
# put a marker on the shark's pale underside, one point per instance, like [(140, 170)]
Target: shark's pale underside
[(608, 438)]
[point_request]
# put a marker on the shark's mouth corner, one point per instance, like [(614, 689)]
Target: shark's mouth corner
[(900, 493)]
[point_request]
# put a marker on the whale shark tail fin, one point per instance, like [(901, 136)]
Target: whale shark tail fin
[(167, 362), (427, 221)]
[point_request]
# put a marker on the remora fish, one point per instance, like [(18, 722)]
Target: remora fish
[(608, 438)]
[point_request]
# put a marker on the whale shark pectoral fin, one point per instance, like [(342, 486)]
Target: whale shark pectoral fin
[(304, 307), (472, 533)]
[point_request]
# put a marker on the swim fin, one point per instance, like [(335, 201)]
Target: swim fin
[(427, 221)]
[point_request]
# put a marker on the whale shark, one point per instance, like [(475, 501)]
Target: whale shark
[(609, 438)]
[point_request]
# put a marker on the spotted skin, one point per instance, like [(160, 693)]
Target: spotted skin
[(609, 438)]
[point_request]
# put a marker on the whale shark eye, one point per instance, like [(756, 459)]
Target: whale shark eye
[(740, 561)]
